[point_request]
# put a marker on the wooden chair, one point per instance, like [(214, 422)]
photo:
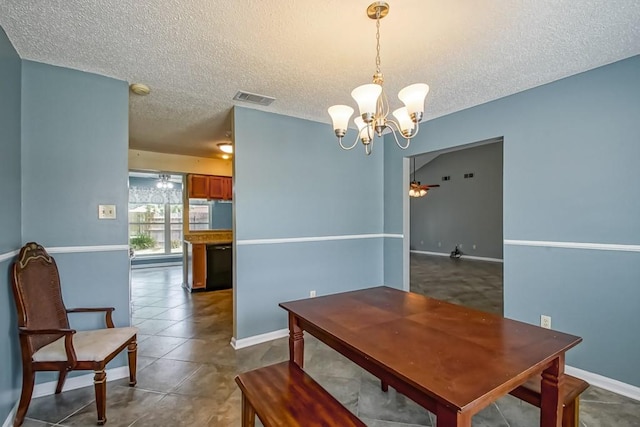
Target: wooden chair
[(46, 341)]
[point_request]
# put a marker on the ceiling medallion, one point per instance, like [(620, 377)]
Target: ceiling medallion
[(374, 106)]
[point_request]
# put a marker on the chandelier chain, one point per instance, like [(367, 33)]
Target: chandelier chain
[(378, 41)]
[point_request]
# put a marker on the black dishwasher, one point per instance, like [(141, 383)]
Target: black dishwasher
[(219, 265)]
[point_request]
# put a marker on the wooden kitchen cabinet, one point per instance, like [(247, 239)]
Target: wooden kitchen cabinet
[(196, 266), (216, 186), (227, 188), (198, 186), (210, 187)]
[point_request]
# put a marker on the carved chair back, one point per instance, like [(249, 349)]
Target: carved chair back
[(36, 290)]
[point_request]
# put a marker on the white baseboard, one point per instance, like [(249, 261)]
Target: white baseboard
[(156, 264), (477, 258), (258, 339), (606, 383), (49, 388), (12, 414)]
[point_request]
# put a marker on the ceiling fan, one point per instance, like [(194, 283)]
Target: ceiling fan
[(415, 188)]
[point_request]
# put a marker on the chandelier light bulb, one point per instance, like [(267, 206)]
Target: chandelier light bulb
[(364, 131), (163, 182), (413, 97), (340, 115), (367, 98), (404, 120)]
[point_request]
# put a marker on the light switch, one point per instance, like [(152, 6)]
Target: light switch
[(106, 211)]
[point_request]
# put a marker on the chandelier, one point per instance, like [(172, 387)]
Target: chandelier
[(374, 106), (163, 182)]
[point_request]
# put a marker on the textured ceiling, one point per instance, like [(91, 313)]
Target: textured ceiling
[(196, 54)]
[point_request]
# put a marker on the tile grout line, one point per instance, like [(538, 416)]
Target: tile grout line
[(501, 414)]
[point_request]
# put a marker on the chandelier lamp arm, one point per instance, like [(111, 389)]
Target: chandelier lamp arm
[(368, 148), (391, 124), (350, 147)]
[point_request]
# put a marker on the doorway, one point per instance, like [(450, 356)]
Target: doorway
[(155, 218), (455, 238)]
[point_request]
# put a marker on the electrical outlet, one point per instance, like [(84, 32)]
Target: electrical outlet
[(545, 321), (474, 246), (439, 244), (312, 294)]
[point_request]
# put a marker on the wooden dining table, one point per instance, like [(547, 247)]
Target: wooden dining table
[(452, 360)]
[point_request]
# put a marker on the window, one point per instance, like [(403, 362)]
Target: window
[(199, 214), (155, 214)]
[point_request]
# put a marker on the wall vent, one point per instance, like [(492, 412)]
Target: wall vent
[(253, 98), (446, 178)]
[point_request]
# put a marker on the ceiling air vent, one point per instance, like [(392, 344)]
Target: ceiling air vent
[(253, 98)]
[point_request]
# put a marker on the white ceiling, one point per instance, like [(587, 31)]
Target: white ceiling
[(309, 55)]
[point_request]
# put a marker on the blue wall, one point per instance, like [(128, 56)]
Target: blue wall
[(292, 180), (571, 151), (74, 157), (10, 240)]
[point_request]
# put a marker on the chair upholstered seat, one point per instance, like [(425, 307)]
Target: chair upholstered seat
[(91, 346)]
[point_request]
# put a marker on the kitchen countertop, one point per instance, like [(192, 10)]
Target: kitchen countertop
[(215, 237), (209, 242)]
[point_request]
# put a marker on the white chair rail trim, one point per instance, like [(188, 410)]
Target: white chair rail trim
[(247, 242), (574, 245), (8, 255), (79, 249), (70, 250)]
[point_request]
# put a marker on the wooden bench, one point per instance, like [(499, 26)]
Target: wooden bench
[(530, 393), (284, 395), (573, 387)]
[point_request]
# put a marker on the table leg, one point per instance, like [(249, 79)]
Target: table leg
[(296, 341), (550, 392), (449, 417)]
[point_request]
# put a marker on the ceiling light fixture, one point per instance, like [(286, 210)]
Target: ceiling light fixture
[(226, 147), (374, 105), (140, 89), (415, 189), (163, 181)]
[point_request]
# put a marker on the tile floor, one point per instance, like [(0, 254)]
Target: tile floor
[(186, 365)]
